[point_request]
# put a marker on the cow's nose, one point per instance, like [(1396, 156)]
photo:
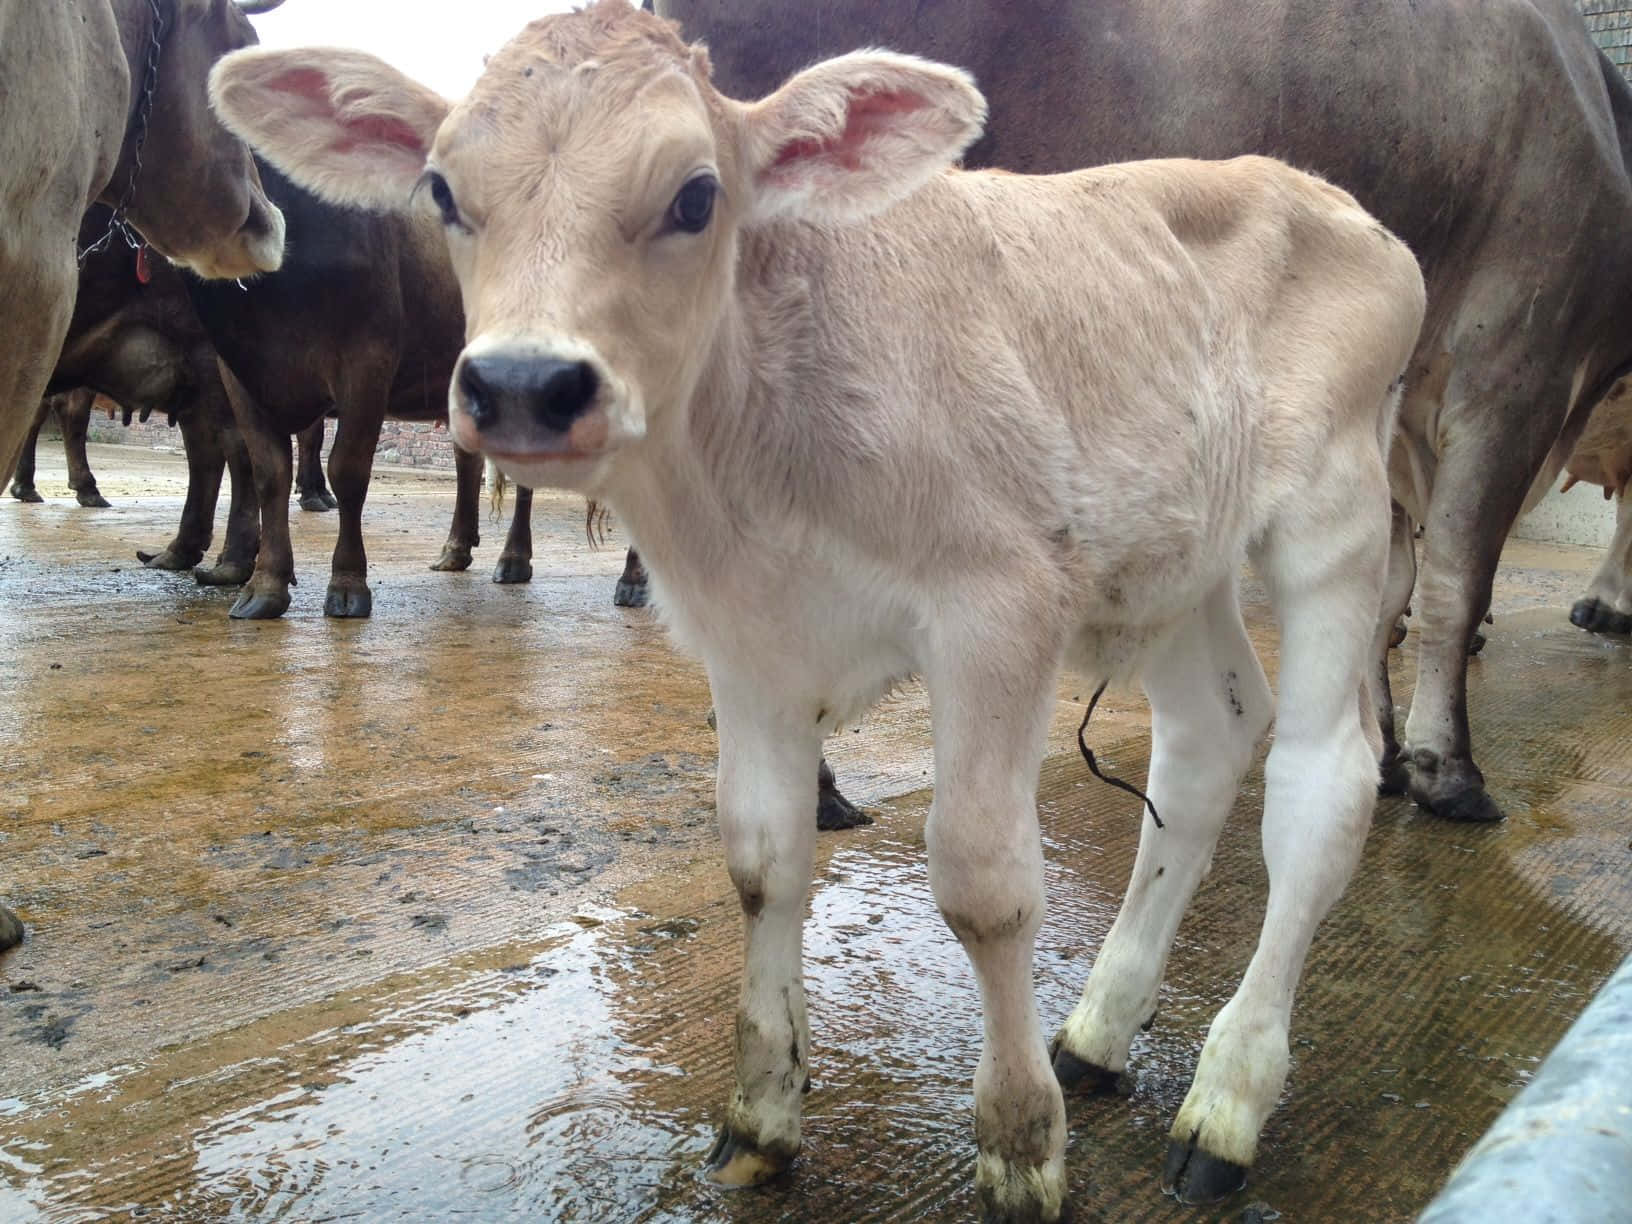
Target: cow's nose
[(552, 393)]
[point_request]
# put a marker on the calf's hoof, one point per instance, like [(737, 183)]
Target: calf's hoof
[(1476, 643), (1597, 617), (633, 595), (225, 573), (26, 493), (737, 1161), (254, 604), (11, 929), (1196, 1177), (317, 503), (345, 601), (834, 812), (1011, 1192), (511, 571), (1396, 635), (93, 498), (1393, 776), (452, 561), (1451, 795), (170, 558), (1085, 1078)]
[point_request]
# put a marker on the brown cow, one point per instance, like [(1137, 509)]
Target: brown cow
[(866, 417)]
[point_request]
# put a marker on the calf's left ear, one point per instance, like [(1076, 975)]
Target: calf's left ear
[(850, 136), (344, 125)]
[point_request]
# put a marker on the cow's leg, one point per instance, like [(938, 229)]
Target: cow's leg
[(465, 532), (266, 594), (314, 494), (74, 411), (1402, 577), (1325, 570), (989, 706), (236, 560), (516, 561), (767, 761), (1210, 705), (631, 591), (351, 464), (205, 464), (1607, 605), (22, 480), (1478, 490)]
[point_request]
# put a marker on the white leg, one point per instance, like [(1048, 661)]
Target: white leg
[(986, 870), (1210, 705), (765, 793), (1325, 572), (1607, 605)]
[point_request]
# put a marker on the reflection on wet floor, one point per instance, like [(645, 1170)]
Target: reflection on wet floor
[(540, 1026)]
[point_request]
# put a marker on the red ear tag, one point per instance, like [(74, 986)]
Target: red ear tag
[(144, 272)]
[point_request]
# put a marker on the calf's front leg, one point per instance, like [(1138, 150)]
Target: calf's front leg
[(768, 759)]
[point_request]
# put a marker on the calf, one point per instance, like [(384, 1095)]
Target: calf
[(866, 418), (1603, 457)]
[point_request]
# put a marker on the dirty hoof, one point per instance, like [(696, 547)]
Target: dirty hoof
[(513, 570), (93, 499), (260, 605), (452, 561), (317, 503), (1195, 1178), (834, 812), (225, 573), (1472, 806), (170, 559), (26, 493), (1476, 643), (1086, 1078), (633, 595), (736, 1161), (351, 601), (1393, 777), (1396, 635), (11, 929), (1596, 617)]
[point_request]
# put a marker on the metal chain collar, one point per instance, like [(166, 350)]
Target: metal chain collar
[(144, 112)]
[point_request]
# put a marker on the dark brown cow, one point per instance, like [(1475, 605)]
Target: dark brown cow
[(1454, 124)]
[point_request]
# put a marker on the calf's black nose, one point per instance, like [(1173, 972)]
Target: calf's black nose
[(551, 393)]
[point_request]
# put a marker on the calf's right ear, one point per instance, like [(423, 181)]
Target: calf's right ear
[(346, 126)]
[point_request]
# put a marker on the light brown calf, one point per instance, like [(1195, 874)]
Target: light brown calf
[(866, 418)]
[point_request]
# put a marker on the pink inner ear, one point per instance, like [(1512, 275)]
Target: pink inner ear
[(868, 114), (312, 85)]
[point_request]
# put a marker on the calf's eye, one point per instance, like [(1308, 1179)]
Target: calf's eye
[(442, 194), (694, 204)]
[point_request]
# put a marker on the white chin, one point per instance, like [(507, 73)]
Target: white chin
[(578, 475)]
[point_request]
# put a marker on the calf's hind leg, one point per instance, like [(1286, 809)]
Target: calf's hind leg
[(1324, 571), (74, 411), (22, 479), (1210, 705)]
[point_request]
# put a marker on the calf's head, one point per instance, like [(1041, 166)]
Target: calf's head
[(594, 188), (198, 198)]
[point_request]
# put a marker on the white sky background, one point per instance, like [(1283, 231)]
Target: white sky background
[(433, 41)]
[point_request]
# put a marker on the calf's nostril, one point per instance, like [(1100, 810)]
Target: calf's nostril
[(565, 391), (480, 403)]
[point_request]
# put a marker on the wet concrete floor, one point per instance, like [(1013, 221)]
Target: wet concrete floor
[(424, 917)]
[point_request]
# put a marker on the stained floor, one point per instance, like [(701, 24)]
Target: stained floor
[(423, 917)]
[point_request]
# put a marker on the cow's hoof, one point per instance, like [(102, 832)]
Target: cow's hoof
[(1393, 776), (633, 595), (224, 573), (834, 812), (1015, 1192), (259, 605), (453, 560), (1472, 806), (26, 493), (1597, 617), (93, 499), (1085, 1078), (512, 571), (736, 1161), (11, 929), (1194, 1177), (1451, 790), (1476, 643), (317, 503), (1396, 635), (348, 601), (170, 559)]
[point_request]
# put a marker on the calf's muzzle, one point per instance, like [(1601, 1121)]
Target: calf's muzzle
[(551, 394)]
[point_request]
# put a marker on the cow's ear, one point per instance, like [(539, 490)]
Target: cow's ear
[(348, 127), (850, 136)]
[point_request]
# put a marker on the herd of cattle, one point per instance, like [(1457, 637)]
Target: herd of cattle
[(867, 416)]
